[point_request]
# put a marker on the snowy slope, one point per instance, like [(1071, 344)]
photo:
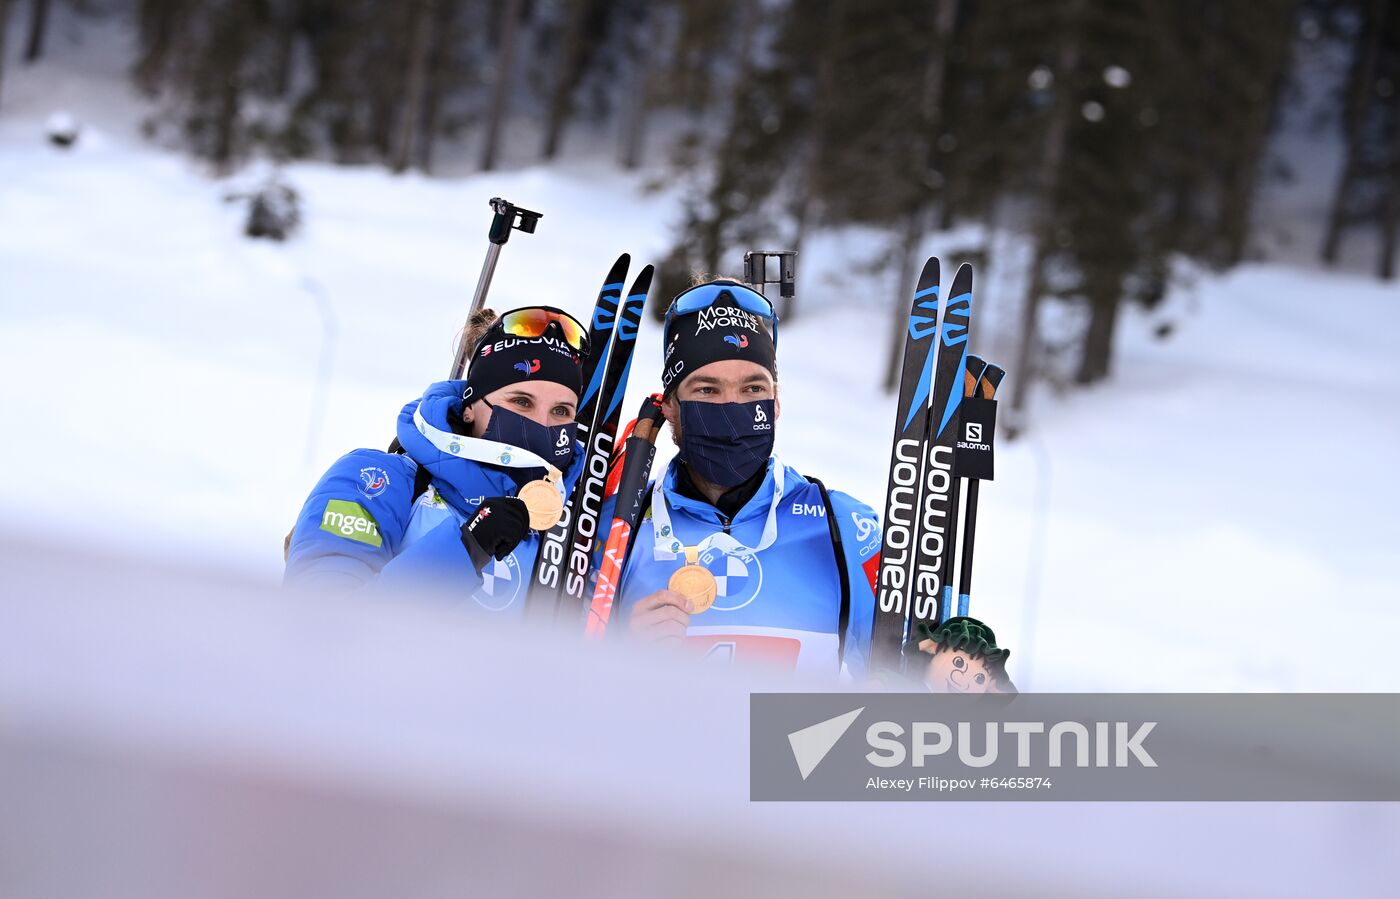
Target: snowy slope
[(172, 389)]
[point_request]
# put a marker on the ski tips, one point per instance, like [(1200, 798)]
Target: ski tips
[(618, 273), (642, 283), (962, 280), (928, 277)]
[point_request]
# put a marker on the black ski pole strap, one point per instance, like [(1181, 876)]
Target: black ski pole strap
[(838, 547), (642, 513), (421, 477)]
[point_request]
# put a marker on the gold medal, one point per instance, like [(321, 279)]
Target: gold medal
[(545, 503), (696, 584)]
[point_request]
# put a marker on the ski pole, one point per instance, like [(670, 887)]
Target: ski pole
[(508, 217), (972, 377), (638, 452), (986, 387)]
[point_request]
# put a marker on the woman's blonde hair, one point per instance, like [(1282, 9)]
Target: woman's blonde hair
[(480, 322)]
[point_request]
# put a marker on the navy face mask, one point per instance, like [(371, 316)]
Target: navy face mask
[(726, 443), (554, 444)]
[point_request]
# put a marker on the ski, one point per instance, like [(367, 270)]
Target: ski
[(600, 331), (931, 591), (907, 452), (549, 561), (590, 489)]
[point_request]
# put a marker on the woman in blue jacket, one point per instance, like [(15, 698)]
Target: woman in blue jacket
[(445, 512)]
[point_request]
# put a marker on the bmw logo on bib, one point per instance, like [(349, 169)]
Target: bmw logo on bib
[(500, 584), (738, 577)]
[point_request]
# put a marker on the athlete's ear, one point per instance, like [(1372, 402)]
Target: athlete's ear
[(671, 409), (477, 421)]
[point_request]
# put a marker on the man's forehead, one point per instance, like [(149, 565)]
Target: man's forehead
[(730, 371)]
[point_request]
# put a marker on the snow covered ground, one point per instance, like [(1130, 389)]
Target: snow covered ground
[(1218, 517)]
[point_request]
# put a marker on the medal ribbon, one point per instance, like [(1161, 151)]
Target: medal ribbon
[(667, 548), (490, 452)]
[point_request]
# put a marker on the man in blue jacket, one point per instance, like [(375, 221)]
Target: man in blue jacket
[(444, 512), (779, 570)]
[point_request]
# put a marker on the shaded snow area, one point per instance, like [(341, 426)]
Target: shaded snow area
[(1220, 516)]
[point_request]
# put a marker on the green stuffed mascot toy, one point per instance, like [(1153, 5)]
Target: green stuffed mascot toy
[(959, 656)]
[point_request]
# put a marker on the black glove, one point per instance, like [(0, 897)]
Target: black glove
[(496, 528)]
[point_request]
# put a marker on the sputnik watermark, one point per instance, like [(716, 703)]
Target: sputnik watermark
[(934, 738), (1092, 747), (1106, 744)]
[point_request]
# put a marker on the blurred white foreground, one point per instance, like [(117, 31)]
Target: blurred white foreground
[(167, 736)]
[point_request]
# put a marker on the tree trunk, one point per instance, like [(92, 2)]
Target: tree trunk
[(38, 27), (232, 45), (1390, 218), (711, 231), (749, 14), (826, 83), (1056, 137), (1363, 74), (284, 29), (1096, 352), (639, 98), (226, 123), (562, 91), (1241, 176), (415, 77), (1336, 218), (1243, 172), (505, 62), (4, 21), (160, 22), (437, 75), (945, 20)]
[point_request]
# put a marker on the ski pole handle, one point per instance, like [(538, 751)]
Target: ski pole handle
[(639, 450), (756, 271), (508, 217)]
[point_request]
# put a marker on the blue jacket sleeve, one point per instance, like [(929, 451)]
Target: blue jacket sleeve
[(438, 561), (860, 537), (353, 522)]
